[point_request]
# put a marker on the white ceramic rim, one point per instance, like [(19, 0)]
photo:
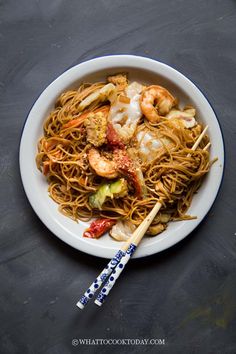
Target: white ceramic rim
[(37, 200)]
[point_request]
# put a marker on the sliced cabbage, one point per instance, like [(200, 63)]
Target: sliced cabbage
[(117, 189), (107, 92)]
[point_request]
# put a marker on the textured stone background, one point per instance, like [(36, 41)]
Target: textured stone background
[(191, 288)]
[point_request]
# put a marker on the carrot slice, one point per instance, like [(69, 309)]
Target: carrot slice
[(74, 123)]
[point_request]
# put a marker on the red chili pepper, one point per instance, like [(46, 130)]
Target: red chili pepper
[(98, 227)]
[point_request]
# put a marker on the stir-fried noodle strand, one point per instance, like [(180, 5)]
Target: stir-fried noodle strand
[(173, 176)]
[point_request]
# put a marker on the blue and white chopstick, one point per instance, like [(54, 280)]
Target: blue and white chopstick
[(100, 279), (114, 275), (123, 254), (134, 242)]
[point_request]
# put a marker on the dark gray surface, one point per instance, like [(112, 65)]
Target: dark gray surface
[(190, 289)]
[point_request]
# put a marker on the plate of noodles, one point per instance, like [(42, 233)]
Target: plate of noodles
[(109, 138)]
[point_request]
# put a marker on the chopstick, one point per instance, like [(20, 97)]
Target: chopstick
[(207, 146), (100, 279), (118, 262), (133, 242), (125, 252), (197, 142)]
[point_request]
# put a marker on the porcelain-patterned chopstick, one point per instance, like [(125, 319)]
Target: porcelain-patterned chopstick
[(102, 276), (112, 264), (114, 276), (100, 279), (134, 241)]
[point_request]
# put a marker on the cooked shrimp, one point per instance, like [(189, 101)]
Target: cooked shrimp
[(101, 165), (159, 96)]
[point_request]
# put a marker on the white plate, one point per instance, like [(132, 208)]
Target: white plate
[(144, 70)]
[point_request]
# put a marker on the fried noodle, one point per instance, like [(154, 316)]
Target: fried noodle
[(173, 177)]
